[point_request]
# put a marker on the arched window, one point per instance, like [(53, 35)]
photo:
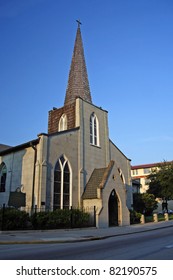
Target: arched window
[(62, 184), (63, 123), (3, 175), (94, 130)]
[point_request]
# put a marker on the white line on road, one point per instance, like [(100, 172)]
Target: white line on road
[(169, 246)]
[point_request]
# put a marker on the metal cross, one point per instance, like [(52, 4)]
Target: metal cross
[(78, 21)]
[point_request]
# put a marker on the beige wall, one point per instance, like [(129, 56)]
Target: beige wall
[(114, 182), (66, 144), (19, 174), (124, 164), (142, 173), (90, 156)]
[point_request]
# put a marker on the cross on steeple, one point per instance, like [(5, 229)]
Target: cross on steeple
[(78, 21)]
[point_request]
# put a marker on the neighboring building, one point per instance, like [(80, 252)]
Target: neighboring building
[(140, 181), (75, 164), (139, 175)]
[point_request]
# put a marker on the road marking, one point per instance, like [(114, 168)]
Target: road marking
[(169, 246)]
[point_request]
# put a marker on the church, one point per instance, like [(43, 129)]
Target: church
[(74, 164)]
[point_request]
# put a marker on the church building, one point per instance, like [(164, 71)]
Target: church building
[(74, 164)]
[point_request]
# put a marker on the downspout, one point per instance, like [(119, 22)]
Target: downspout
[(81, 155), (11, 171), (83, 144), (33, 180)]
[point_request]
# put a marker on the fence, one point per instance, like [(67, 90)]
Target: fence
[(39, 218)]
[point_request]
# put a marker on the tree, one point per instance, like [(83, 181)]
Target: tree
[(161, 183), (144, 203)]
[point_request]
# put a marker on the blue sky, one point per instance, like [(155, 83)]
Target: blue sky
[(128, 48)]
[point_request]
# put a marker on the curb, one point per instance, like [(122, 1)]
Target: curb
[(84, 239)]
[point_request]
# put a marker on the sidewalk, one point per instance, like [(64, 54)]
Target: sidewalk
[(75, 235)]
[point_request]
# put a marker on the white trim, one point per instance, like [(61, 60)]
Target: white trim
[(94, 130), (62, 123), (62, 165)]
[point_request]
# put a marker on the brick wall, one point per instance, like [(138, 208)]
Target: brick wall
[(55, 115)]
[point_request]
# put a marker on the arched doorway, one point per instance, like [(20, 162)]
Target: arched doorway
[(113, 209)]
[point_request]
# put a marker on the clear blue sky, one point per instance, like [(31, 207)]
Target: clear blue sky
[(128, 48)]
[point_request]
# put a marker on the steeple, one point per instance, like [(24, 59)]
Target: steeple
[(78, 85)]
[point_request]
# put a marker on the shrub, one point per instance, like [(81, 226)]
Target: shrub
[(39, 220), (60, 218), (79, 218), (135, 217), (14, 219), (144, 203)]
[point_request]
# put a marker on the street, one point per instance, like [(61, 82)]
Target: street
[(152, 245)]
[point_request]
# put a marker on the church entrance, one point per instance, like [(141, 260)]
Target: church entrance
[(113, 209)]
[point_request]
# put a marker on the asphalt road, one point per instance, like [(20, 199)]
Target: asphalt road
[(152, 245)]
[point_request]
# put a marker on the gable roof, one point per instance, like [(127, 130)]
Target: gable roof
[(4, 147), (19, 147), (97, 180), (149, 165)]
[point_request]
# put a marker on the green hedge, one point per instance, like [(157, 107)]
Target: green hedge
[(135, 217), (60, 218), (14, 219)]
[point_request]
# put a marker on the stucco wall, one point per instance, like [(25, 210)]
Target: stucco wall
[(114, 183), (124, 164), (66, 144), (91, 156), (19, 174)]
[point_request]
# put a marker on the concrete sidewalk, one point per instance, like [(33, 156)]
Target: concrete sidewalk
[(75, 235)]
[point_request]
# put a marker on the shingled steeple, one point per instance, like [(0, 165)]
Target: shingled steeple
[(78, 85)]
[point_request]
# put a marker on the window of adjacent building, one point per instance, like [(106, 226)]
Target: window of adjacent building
[(63, 123), (135, 172), (62, 184), (3, 175), (146, 170), (94, 130)]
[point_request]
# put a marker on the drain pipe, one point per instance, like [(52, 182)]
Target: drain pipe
[(33, 182)]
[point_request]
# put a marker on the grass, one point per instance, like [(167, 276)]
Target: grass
[(149, 219), (170, 216)]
